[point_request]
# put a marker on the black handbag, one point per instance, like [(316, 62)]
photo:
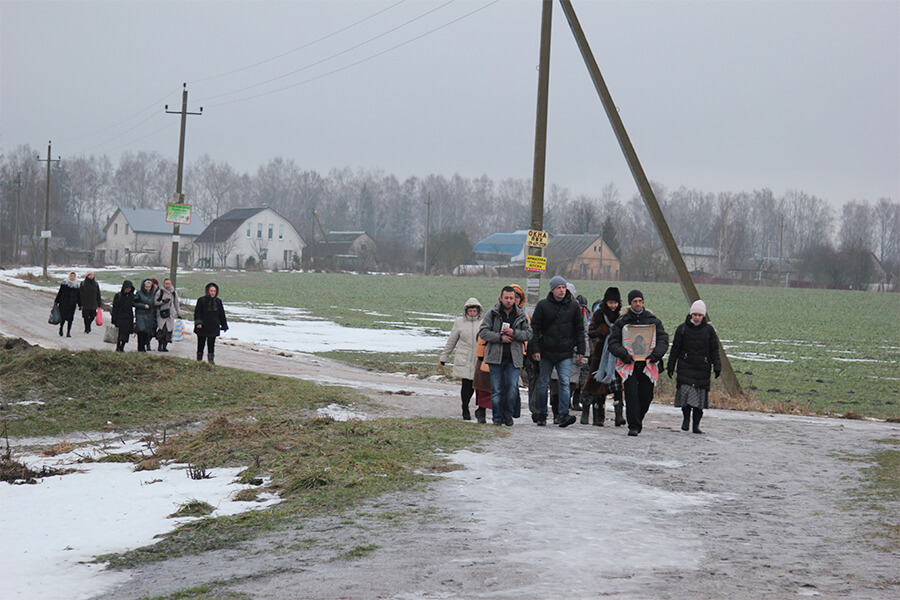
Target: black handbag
[(55, 315), (164, 313)]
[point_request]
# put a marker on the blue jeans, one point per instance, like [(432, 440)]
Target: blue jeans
[(564, 372), (504, 391)]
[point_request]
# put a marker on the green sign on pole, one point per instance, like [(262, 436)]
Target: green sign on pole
[(178, 213)]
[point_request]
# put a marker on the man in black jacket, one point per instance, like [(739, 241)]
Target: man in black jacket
[(558, 326), (638, 385)]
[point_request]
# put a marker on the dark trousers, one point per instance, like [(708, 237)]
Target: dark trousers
[(638, 396), (122, 340), (88, 320), (466, 391), (210, 341)]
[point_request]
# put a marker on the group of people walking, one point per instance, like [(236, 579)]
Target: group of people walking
[(613, 350), (149, 312), (73, 295)]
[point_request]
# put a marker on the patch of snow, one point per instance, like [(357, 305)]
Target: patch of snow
[(50, 529), (340, 413)]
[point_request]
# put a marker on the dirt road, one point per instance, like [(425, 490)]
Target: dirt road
[(758, 507)]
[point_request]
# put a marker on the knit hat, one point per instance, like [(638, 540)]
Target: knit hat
[(612, 293), (698, 307), (635, 294), (556, 280), (571, 288)]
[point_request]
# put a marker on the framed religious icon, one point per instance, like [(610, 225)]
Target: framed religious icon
[(639, 340)]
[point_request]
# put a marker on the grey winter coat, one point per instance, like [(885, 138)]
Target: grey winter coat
[(464, 338), (167, 299), (490, 333), (144, 310)]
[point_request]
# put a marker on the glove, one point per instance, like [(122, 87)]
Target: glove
[(442, 363), (224, 329), (628, 360), (718, 373)]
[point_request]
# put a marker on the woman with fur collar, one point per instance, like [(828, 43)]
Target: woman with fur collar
[(68, 298), (464, 339)]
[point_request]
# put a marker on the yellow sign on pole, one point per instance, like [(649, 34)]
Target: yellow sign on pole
[(536, 263), (537, 239)]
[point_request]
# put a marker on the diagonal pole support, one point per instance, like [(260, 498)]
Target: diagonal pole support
[(732, 385)]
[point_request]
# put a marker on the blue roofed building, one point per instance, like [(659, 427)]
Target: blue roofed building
[(502, 249)]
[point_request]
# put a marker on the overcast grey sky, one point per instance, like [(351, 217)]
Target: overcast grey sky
[(716, 95)]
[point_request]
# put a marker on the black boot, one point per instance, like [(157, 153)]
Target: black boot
[(480, 415), (120, 347), (620, 418), (200, 355), (575, 402), (211, 357), (69, 330), (586, 412), (698, 414), (686, 422), (465, 412), (60, 329), (599, 412)]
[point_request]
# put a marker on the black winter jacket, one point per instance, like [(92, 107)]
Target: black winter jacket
[(644, 318), (123, 308), (558, 328), (68, 297), (694, 350), (210, 313)]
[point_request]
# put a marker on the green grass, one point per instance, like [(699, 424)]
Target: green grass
[(841, 347), (102, 390), (209, 591), (878, 494)]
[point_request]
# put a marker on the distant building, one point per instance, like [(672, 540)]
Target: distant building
[(142, 236), (581, 257), (247, 237), (501, 249), (700, 259), (350, 250)]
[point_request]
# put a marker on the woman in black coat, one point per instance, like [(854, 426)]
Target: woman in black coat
[(68, 298), (123, 314), (209, 318), (90, 300), (694, 350)]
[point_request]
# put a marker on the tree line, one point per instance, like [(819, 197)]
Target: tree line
[(796, 231)]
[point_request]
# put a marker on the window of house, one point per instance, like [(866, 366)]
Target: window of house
[(259, 230), (264, 254), (271, 231), (126, 229), (115, 229), (281, 232), (288, 257), (249, 228), (583, 270)]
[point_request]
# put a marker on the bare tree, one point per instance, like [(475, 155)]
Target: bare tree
[(857, 226)]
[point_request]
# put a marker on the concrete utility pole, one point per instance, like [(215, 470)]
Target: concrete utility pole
[(662, 227), (179, 197), (17, 252), (533, 283), (427, 230), (46, 232)]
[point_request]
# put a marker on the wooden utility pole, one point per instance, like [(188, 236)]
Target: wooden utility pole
[(17, 252), (179, 197), (45, 233), (533, 283), (662, 227), (427, 230)]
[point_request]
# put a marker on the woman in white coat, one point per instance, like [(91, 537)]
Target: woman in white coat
[(464, 338)]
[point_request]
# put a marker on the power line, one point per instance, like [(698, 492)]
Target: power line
[(359, 62), (333, 56), (303, 47)]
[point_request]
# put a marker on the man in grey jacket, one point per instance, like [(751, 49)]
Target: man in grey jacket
[(505, 328)]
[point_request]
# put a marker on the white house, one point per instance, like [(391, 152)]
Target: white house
[(250, 236), (142, 236)]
